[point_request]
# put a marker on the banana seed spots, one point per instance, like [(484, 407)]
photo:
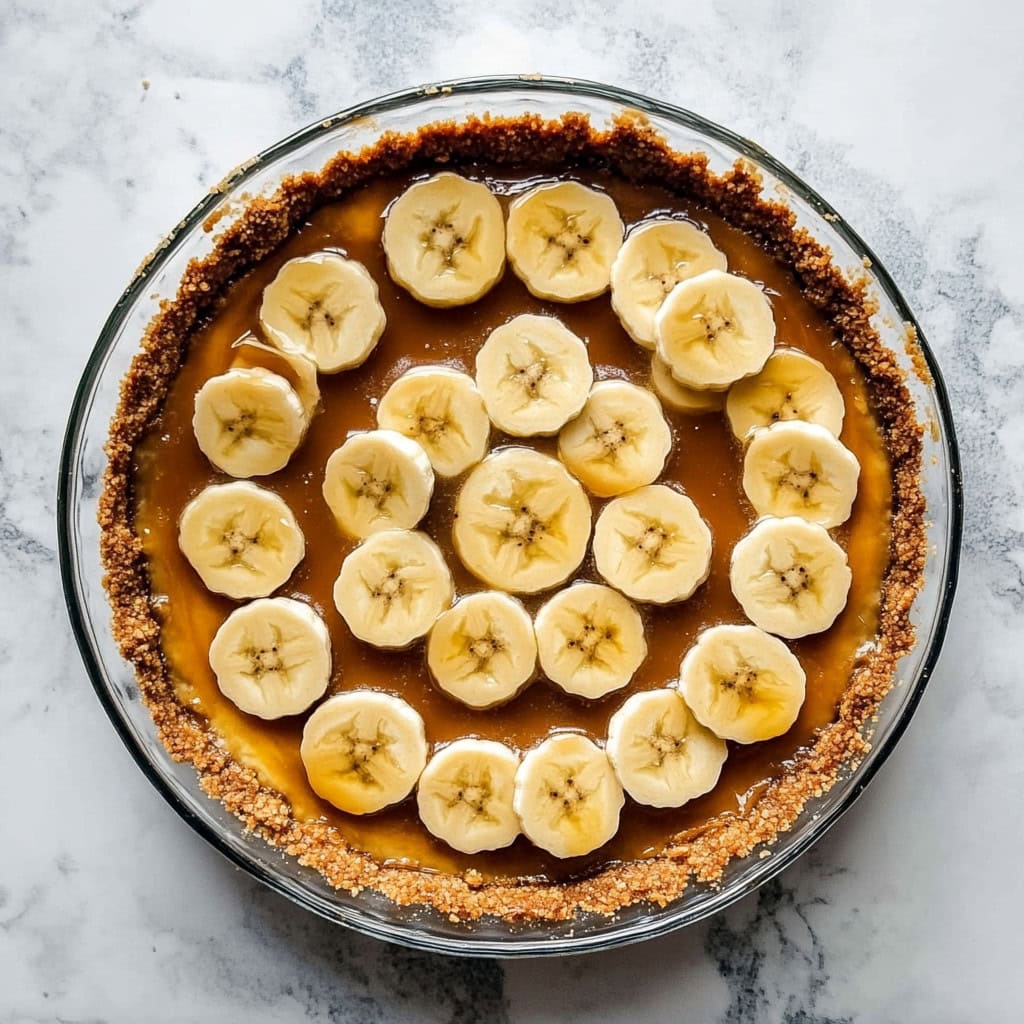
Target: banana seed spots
[(376, 490), (569, 238), (444, 240), (569, 793), (531, 373), (663, 744), (472, 789), (357, 749), (796, 579), (237, 542), (484, 648), (432, 420), (320, 317), (742, 682), (592, 640), (651, 540)]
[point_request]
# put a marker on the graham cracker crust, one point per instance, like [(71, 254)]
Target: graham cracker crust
[(631, 149)]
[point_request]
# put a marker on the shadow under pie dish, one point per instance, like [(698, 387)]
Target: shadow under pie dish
[(625, 437)]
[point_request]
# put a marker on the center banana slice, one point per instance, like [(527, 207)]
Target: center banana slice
[(326, 308), (562, 240), (443, 411), (534, 375), (652, 261), (714, 329), (742, 683), (791, 386), (392, 587), (653, 545), (378, 480), (445, 240), (483, 651), (800, 469), (241, 539), (619, 441), (790, 576), (567, 796), (521, 522), (363, 750), (272, 657), (465, 795), (662, 755), (590, 640)]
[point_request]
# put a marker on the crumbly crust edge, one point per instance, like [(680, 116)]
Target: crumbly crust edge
[(633, 150)]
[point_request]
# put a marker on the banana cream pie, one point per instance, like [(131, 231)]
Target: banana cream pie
[(515, 518)]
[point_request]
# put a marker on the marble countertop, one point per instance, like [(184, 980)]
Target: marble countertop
[(115, 118)]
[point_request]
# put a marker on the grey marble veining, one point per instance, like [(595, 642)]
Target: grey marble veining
[(115, 118)]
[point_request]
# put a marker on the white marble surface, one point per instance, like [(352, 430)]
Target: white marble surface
[(111, 909)]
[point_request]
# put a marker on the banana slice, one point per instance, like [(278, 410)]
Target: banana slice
[(792, 386), (442, 410), (378, 480), (714, 329), (661, 754), (248, 422), (521, 522), (465, 795), (325, 308), (534, 375), (653, 545), (567, 796), (272, 657), (241, 539), (619, 441), (677, 396), (800, 469), (392, 587), (742, 683), (363, 750), (652, 261), (298, 369), (562, 240), (482, 651), (445, 240), (590, 640), (790, 576)]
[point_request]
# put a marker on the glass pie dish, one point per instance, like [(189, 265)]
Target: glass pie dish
[(84, 460)]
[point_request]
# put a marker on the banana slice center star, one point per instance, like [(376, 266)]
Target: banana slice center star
[(441, 238), (571, 236), (661, 744), (356, 752), (472, 789)]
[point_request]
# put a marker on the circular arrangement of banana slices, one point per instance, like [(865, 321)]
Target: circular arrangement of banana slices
[(562, 240), (442, 410), (619, 441), (378, 480), (272, 657), (444, 239), (326, 308), (534, 375), (522, 519)]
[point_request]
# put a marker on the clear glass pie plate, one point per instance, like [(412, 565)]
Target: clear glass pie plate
[(84, 461)]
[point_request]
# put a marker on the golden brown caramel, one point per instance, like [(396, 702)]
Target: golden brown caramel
[(706, 461)]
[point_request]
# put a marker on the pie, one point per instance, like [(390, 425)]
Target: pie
[(515, 518)]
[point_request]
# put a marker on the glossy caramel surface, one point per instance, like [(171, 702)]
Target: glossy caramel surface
[(705, 460)]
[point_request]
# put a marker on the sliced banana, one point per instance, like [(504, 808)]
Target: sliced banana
[(363, 750), (567, 796), (800, 469), (521, 522), (534, 375), (248, 422), (791, 386), (562, 240), (443, 411), (378, 480), (742, 683), (272, 657), (465, 795), (590, 640), (790, 577), (392, 587), (241, 539), (250, 352), (661, 754), (444, 239), (679, 397), (714, 329), (482, 651), (326, 308), (653, 545), (654, 258), (619, 441)]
